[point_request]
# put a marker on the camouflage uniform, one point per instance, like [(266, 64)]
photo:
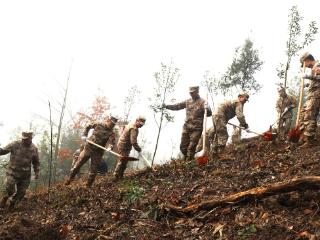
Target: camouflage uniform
[(19, 170), (313, 106), (236, 135), (284, 102), (127, 140), (224, 113), (301, 117), (101, 135), (209, 140), (192, 128)]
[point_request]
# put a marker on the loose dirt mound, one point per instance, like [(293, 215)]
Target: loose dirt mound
[(134, 208)]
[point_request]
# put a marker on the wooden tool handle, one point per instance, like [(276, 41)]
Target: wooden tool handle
[(245, 129), (110, 151), (301, 96)]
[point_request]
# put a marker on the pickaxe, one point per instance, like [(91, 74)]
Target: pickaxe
[(114, 153), (267, 136), (202, 156)]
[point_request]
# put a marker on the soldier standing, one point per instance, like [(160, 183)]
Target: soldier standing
[(313, 100), (224, 113), (127, 140), (102, 133), (285, 104), (192, 128), (23, 153)]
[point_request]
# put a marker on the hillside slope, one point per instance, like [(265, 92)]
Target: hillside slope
[(135, 208)]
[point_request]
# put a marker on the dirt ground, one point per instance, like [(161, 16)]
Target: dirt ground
[(134, 208)]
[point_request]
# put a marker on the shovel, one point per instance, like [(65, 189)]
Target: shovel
[(114, 153), (145, 160), (294, 134), (267, 136), (282, 114), (202, 157)]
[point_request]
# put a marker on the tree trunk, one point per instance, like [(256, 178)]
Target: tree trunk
[(157, 142), (63, 107), (302, 183)]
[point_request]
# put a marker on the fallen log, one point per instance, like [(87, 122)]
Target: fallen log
[(302, 183)]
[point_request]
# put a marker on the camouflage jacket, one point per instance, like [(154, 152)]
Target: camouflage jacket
[(21, 159), (128, 138), (230, 109), (314, 86), (101, 135), (283, 103), (194, 112)]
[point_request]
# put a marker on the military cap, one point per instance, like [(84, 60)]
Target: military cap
[(114, 119), (303, 57), (26, 135), (194, 89), (141, 119), (244, 94)]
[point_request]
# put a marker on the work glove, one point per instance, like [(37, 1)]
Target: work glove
[(84, 138)]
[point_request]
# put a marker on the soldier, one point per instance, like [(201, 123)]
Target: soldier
[(285, 104), (192, 128), (102, 133), (127, 140), (224, 113), (75, 156), (313, 102), (23, 154)]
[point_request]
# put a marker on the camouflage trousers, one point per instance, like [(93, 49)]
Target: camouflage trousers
[(310, 117), (15, 187), (285, 125), (220, 131), (121, 164), (209, 139), (189, 141), (301, 118), (85, 155), (236, 135)]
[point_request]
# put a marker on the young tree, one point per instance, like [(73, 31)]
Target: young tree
[(212, 84), (60, 125), (129, 101), (99, 111), (296, 41), (165, 82), (240, 75)]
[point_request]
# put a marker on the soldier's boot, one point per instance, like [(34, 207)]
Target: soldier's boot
[(3, 201), (302, 140), (90, 181), (70, 179), (12, 204), (190, 157)]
